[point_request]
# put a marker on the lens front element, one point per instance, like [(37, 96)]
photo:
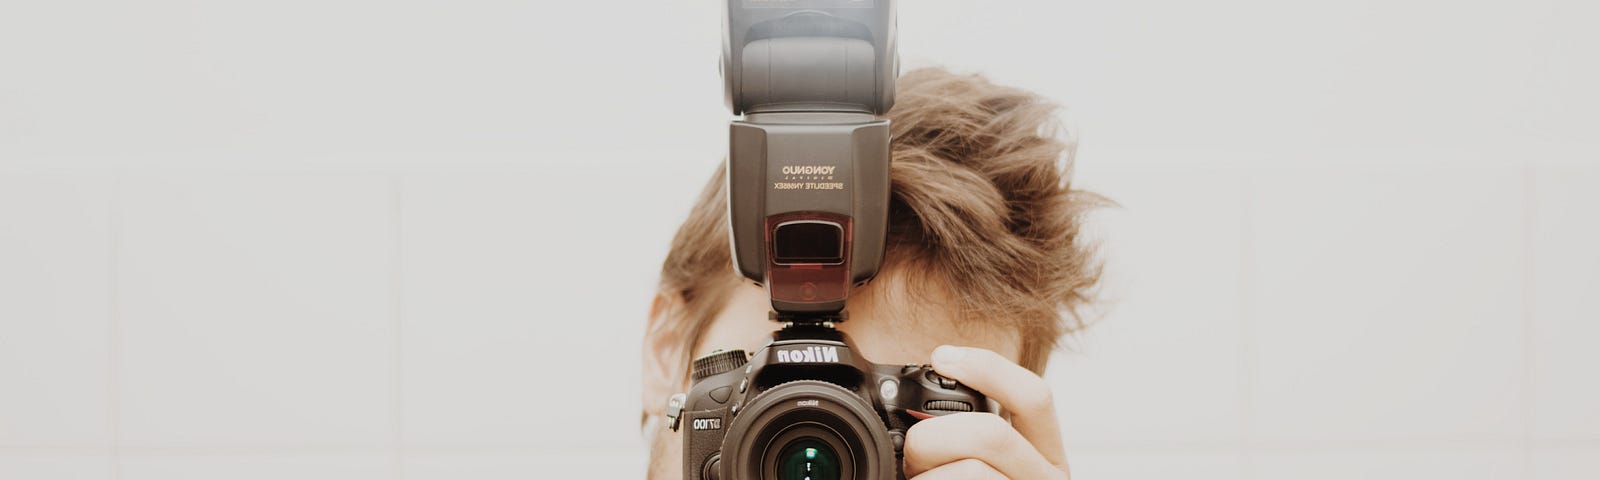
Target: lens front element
[(808, 459), (807, 430)]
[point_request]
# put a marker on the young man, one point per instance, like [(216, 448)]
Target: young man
[(983, 273)]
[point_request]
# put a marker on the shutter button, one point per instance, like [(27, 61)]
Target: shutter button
[(941, 380)]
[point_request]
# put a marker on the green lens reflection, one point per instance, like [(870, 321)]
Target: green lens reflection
[(808, 459)]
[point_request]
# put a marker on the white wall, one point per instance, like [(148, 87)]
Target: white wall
[(359, 239)]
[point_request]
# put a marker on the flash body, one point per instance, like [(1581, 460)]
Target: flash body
[(808, 162)]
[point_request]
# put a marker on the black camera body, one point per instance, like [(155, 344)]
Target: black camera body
[(807, 406)]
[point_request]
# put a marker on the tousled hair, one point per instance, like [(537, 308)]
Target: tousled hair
[(981, 207)]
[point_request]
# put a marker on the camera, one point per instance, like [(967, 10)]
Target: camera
[(806, 407), (808, 200)]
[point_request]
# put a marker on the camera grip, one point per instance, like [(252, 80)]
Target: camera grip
[(916, 392)]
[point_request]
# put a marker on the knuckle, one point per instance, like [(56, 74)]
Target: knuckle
[(971, 468), (978, 432), (990, 432), (988, 356), (922, 437), (1035, 396)]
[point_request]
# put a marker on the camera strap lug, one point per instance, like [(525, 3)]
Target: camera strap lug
[(675, 409)]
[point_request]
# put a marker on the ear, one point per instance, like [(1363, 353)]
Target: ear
[(663, 362)]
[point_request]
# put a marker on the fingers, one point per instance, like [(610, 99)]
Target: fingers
[(1019, 390), (968, 469), (940, 441)]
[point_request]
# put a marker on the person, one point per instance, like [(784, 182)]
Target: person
[(985, 269)]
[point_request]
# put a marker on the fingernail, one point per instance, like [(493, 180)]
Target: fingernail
[(947, 355)]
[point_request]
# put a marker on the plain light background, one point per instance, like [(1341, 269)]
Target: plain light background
[(345, 239)]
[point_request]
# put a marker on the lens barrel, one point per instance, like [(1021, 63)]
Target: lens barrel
[(807, 429)]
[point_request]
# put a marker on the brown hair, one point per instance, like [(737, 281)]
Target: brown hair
[(981, 199)]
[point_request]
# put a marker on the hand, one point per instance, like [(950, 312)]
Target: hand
[(983, 445)]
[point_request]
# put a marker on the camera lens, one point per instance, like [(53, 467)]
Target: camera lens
[(808, 459), (807, 430)]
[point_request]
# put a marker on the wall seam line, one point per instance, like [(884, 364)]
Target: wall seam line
[(1246, 324), (397, 303), (114, 357), (1529, 253)]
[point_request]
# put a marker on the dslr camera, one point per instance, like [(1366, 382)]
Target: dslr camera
[(808, 200)]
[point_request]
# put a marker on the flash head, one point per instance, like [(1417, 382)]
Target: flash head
[(809, 55), (808, 165)]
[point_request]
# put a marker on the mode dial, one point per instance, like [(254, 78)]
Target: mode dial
[(718, 362)]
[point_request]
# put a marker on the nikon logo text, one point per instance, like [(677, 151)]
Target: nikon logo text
[(808, 169), (809, 355)]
